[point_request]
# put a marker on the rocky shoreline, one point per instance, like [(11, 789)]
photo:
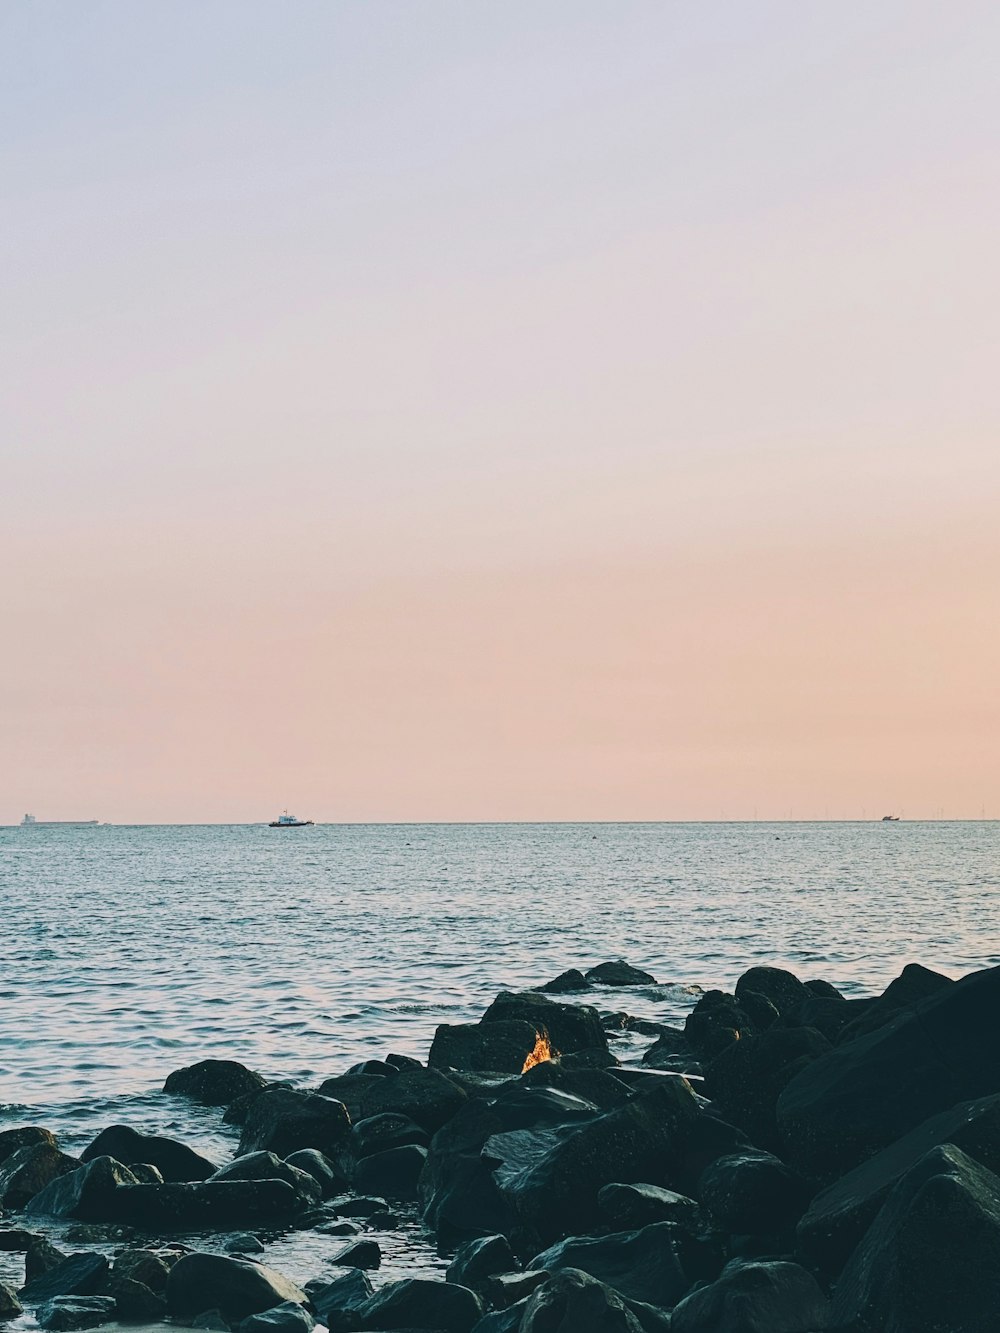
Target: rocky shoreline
[(788, 1161)]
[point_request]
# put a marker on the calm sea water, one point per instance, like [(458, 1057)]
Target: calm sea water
[(128, 952)]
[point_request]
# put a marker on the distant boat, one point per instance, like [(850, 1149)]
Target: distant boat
[(890, 819), (28, 820), (289, 821)]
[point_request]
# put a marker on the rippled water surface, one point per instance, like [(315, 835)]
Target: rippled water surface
[(128, 952)]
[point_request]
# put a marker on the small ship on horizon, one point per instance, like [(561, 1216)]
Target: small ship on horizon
[(30, 820)]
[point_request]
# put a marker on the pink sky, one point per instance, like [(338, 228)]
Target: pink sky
[(424, 413)]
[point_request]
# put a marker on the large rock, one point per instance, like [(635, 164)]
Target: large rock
[(572, 1301), (417, 1303), (783, 989), (746, 1079), (214, 1082), (145, 1267), (25, 1136), (64, 1313), (41, 1256), (79, 1275), (642, 1140), (423, 1095), (509, 1047), (282, 1121), (838, 1217), (350, 1089), (755, 1298), (629, 1206), (135, 1302), (265, 1166), (173, 1160), (206, 1204), (930, 1262), (619, 973), (26, 1172), (645, 1265), (10, 1306), (323, 1171), (714, 1023), (236, 1288), (379, 1133), (864, 1094), (393, 1173), (479, 1259), (85, 1194), (568, 1027), (335, 1302), (753, 1193), (288, 1317), (566, 983)]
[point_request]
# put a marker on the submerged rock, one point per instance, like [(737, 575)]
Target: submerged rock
[(214, 1082), (361, 1254), (206, 1205), (566, 983), (619, 973)]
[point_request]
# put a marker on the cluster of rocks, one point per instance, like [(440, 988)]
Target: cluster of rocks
[(790, 1161)]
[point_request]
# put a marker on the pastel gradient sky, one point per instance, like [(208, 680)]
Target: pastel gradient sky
[(462, 410)]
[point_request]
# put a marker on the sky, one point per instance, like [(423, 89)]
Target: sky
[(449, 410)]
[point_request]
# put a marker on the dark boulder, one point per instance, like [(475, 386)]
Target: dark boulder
[(40, 1256), (913, 985), (282, 1121), (824, 988), (319, 1166), (393, 1173), (402, 1061), (566, 983), (714, 1023), (362, 1206), (379, 1133), (838, 1217), (25, 1136), (508, 1047), (423, 1095), (619, 973), (145, 1267), (214, 1082), (288, 1317), (135, 1302), (568, 1027), (773, 1297), (572, 1301), (416, 1303), (85, 1194), (931, 1259), (174, 1161), (479, 1259), (361, 1254), (16, 1238), (374, 1067), (10, 1306), (830, 1016), (79, 1275), (350, 1090), (205, 1205), (27, 1171), (864, 1094), (781, 988), (753, 1193), (69, 1312), (602, 1089), (236, 1288), (644, 1265), (626, 1207), (266, 1166), (336, 1301)]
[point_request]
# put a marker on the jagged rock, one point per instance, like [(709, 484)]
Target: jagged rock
[(206, 1204), (79, 1275), (362, 1254), (10, 1306), (214, 1082), (507, 1047), (174, 1161), (773, 1297), (70, 1312), (379, 1133), (566, 983), (838, 1217), (714, 1023), (145, 1267), (266, 1166), (423, 1095), (85, 1194), (146, 1174), (479, 1259), (931, 1259), (350, 1090), (25, 1136), (865, 1093), (644, 1265), (568, 1027), (393, 1173), (318, 1165), (27, 1171), (288, 1317), (40, 1256), (417, 1303), (782, 988), (629, 1206), (619, 973), (753, 1193), (282, 1121), (235, 1287), (135, 1301)]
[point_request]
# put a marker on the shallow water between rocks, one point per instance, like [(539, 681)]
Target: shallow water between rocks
[(129, 952)]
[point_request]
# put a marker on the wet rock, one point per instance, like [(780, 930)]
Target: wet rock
[(206, 1205), (350, 1090), (569, 1027), (25, 1136), (13, 1239), (669, 1051), (781, 988), (174, 1161), (501, 1290), (211, 1320), (41, 1257), (423, 1095), (384, 1220), (214, 1082), (144, 1266), (753, 1193), (865, 1093), (244, 1242), (716, 1021), (10, 1306), (913, 985), (599, 1058), (601, 1089), (838, 1217), (79, 1275), (335, 1302), (319, 1166), (416, 1303), (626, 1207), (824, 988), (236, 1288), (340, 1228), (746, 1079), (773, 1297), (362, 1254), (266, 1166), (135, 1301), (363, 1206), (619, 973), (402, 1061), (574, 1302), (374, 1067), (288, 1317), (393, 1173), (85, 1194), (566, 983), (282, 1121), (69, 1312), (27, 1171), (831, 1017), (146, 1174), (644, 1265), (479, 1259), (931, 1259), (504, 1046), (379, 1133)]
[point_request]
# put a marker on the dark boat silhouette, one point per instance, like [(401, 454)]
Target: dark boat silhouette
[(289, 821)]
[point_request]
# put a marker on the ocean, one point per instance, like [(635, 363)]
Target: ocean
[(127, 952)]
